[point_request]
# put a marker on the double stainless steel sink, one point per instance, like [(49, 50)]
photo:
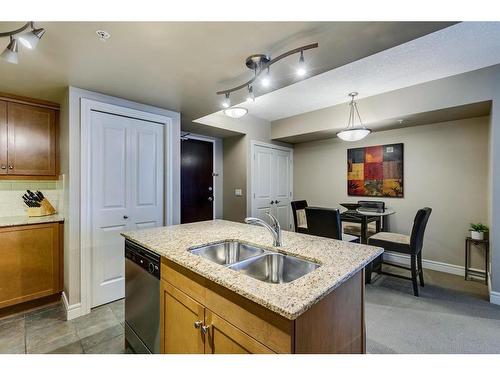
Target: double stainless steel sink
[(251, 260)]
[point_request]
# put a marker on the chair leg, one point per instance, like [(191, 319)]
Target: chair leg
[(414, 274), (368, 273), (420, 269)]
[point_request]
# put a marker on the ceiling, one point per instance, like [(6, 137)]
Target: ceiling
[(460, 48), (180, 65)]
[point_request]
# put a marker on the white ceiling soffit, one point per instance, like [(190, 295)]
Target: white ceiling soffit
[(454, 50)]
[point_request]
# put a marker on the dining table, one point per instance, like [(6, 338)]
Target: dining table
[(366, 216)]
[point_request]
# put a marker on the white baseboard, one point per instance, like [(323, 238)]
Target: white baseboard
[(72, 311), (495, 297), (429, 264)]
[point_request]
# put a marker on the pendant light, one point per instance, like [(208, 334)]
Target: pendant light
[(353, 133), (235, 112), (31, 38)]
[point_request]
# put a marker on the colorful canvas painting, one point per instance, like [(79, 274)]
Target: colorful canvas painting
[(375, 171)]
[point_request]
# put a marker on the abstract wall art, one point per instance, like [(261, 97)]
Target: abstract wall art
[(375, 171)]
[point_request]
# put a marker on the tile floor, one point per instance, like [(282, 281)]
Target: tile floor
[(46, 331)]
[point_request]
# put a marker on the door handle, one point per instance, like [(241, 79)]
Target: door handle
[(272, 202), (277, 202), (210, 199), (125, 217)]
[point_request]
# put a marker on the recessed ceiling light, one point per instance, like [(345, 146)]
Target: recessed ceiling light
[(236, 112), (103, 35)]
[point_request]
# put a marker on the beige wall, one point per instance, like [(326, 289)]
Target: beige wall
[(236, 161), (446, 168)]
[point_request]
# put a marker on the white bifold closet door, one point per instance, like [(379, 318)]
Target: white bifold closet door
[(271, 184), (126, 194)]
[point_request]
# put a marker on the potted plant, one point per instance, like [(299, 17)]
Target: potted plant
[(477, 231)]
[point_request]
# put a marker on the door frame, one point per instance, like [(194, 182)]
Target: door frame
[(87, 106), (252, 181), (217, 169)]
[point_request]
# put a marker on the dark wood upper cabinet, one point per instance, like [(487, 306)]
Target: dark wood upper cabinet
[(3, 138), (28, 138)]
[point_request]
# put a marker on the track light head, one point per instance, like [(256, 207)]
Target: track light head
[(266, 79), (226, 103), (10, 53), (301, 69), (251, 95), (31, 38)]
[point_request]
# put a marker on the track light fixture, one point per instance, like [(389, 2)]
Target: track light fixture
[(28, 39), (260, 63)]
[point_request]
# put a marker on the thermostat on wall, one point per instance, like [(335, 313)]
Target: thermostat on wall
[(238, 192)]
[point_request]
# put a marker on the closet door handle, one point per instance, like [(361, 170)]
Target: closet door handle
[(4, 166)]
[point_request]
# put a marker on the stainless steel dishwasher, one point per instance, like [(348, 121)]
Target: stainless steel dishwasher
[(142, 299)]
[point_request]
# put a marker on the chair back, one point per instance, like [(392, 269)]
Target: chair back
[(417, 233), (298, 225), (324, 222), (379, 205)]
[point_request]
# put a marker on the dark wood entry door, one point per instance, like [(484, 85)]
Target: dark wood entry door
[(197, 198)]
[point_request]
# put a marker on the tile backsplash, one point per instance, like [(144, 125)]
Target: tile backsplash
[(11, 192)]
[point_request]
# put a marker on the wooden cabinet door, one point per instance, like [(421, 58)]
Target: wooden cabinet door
[(32, 140), (224, 338), (3, 137), (30, 262), (179, 314)]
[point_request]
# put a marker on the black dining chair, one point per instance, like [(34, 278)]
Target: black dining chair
[(299, 216), (325, 222), (400, 243)]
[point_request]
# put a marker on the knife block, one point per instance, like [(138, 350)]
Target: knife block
[(45, 209)]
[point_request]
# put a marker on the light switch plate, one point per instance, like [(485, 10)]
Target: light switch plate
[(238, 192)]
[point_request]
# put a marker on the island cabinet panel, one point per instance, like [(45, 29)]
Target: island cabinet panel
[(30, 262), (179, 315), (336, 323), (32, 140)]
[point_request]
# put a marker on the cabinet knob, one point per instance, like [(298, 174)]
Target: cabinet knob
[(197, 324), (205, 329), (11, 167), (4, 166)]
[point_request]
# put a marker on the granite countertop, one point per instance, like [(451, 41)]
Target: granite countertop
[(11, 221), (339, 261)]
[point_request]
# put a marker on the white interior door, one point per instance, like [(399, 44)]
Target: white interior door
[(271, 182), (127, 193)]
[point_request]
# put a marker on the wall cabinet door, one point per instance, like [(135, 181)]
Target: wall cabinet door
[(31, 140), (182, 318), (30, 262), (224, 338), (3, 137)]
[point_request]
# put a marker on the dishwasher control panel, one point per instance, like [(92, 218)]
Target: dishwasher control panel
[(143, 257)]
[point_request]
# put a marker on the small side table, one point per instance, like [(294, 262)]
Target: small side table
[(486, 245)]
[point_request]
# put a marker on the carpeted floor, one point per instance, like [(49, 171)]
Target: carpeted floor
[(450, 316)]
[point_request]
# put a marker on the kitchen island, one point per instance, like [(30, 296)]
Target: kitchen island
[(207, 307)]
